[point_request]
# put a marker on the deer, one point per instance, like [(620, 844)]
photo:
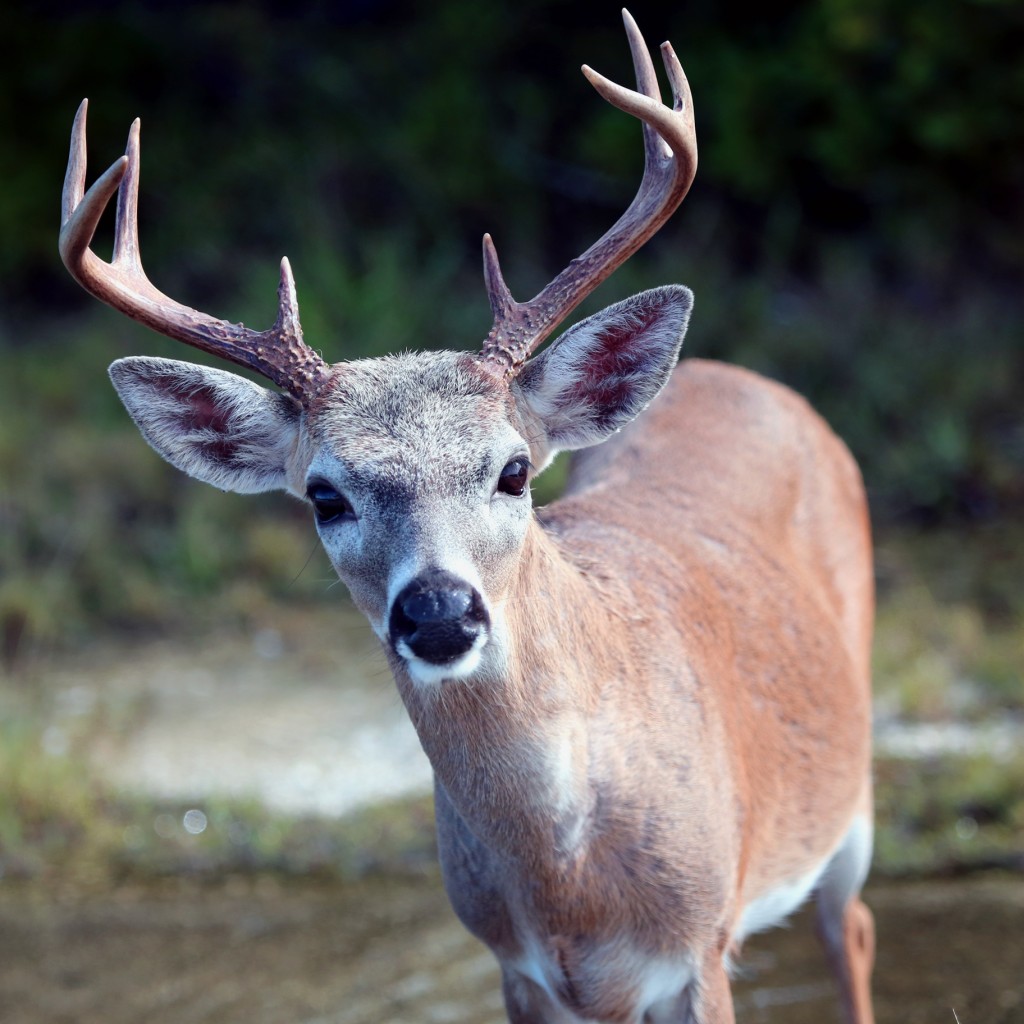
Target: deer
[(647, 704)]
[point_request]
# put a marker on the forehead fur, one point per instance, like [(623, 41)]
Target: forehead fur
[(400, 410)]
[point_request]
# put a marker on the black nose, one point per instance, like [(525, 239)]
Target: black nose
[(438, 617)]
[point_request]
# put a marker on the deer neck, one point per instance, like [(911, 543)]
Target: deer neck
[(512, 750)]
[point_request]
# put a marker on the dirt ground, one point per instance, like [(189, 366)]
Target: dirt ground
[(264, 951)]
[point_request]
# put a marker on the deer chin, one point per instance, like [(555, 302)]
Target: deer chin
[(427, 674)]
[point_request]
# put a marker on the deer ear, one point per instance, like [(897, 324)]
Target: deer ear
[(605, 370), (213, 425)]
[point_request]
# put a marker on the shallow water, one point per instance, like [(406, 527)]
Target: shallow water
[(263, 952)]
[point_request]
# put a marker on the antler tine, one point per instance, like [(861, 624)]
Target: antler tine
[(646, 83), (278, 353), (74, 178), (681, 98), (81, 211), (500, 297), (126, 225), (670, 162)]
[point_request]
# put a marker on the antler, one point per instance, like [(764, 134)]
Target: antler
[(279, 353), (670, 162)]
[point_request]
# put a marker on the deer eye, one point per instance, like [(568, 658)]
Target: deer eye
[(513, 478), (329, 504)]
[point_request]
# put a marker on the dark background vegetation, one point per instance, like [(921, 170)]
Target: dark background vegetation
[(855, 230)]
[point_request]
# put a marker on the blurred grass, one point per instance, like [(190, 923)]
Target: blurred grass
[(60, 826), (949, 637), (949, 815)]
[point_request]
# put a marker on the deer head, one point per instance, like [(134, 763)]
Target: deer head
[(418, 466)]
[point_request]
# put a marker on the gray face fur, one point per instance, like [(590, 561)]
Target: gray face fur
[(416, 444)]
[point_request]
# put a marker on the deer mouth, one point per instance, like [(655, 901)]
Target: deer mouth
[(426, 673)]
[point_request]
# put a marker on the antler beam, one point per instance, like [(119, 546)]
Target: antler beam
[(278, 353), (670, 162)]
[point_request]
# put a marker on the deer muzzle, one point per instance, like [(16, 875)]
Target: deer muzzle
[(437, 618)]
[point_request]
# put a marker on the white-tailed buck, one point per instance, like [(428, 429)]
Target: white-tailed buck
[(647, 705)]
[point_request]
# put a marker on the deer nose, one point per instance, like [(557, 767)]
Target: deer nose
[(437, 617)]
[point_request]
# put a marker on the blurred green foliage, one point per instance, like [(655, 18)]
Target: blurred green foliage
[(272, 125), (855, 230), (944, 815)]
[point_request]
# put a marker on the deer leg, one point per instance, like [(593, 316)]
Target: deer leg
[(712, 1002), (852, 963), (845, 925)]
